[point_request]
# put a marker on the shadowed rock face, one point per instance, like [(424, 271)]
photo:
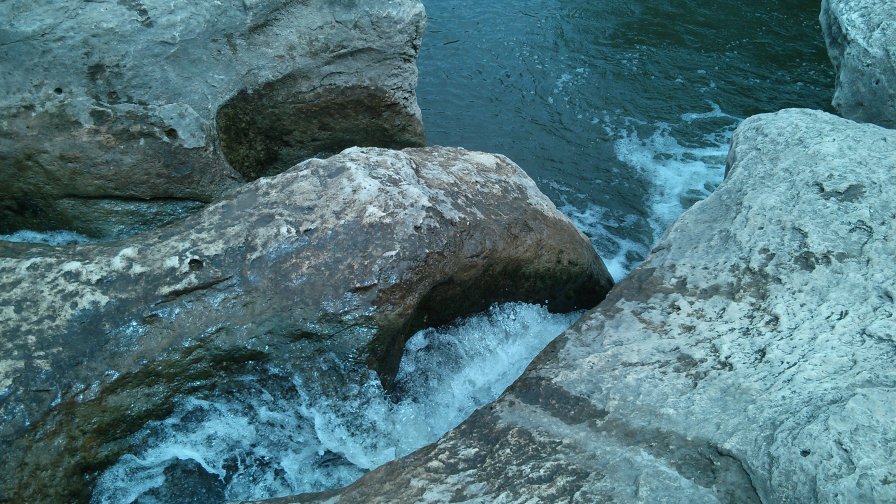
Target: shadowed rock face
[(860, 36), (117, 117), (750, 359), (346, 256), (318, 124)]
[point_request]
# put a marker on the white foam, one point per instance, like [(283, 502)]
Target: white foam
[(264, 446), (47, 237), (681, 173), (619, 254), (715, 112), (682, 164)]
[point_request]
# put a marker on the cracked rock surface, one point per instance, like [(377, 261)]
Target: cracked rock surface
[(749, 359), (861, 40), (347, 257), (119, 116)]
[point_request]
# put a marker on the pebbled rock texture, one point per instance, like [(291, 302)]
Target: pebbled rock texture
[(347, 256), (750, 359), (119, 116), (861, 40)]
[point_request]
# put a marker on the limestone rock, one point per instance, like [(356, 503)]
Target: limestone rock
[(118, 116), (861, 37), (750, 359), (346, 256)]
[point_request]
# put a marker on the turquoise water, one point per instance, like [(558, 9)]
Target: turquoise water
[(620, 110)]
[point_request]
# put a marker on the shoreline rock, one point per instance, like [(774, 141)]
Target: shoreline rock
[(119, 117), (347, 256), (749, 359), (860, 36)]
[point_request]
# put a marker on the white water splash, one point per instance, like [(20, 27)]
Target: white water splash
[(681, 173), (257, 445), (47, 237), (607, 234)]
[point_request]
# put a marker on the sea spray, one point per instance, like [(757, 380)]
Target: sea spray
[(275, 434)]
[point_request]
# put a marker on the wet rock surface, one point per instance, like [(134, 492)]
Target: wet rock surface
[(120, 116), (344, 257), (860, 36), (750, 358)]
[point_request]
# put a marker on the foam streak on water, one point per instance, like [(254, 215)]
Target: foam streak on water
[(681, 173), (607, 233), (679, 164), (47, 237), (260, 444)]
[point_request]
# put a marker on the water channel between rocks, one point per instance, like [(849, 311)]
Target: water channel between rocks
[(620, 110)]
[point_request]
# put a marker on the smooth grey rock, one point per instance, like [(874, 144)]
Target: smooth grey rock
[(750, 359), (343, 257), (861, 40), (119, 116)]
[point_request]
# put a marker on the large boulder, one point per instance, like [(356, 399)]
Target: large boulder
[(749, 359), (347, 256), (861, 37), (118, 116)]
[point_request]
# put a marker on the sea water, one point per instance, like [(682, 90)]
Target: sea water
[(621, 110)]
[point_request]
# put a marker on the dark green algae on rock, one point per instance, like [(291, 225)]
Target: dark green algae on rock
[(346, 256)]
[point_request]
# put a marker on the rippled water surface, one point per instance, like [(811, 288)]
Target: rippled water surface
[(621, 110)]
